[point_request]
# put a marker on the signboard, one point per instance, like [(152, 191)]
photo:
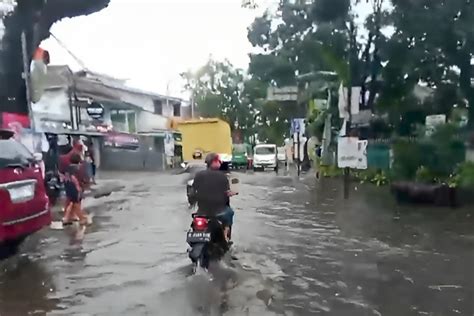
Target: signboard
[(169, 144), (96, 111), (352, 153), (298, 126), (282, 94), (433, 121), (299, 155), (343, 103), (20, 125), (14, 121), (122, 141)]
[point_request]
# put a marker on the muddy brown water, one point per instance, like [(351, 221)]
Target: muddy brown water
[(302, 250)]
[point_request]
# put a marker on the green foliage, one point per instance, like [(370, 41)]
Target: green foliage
[(431, 159), (331, 171), (316, 123), (273, 122), (218, 88), (380, 179), (374, 176), (432, 43), (425, 175), (464, 176), (330, 10)]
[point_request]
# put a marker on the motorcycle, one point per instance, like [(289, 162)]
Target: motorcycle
[(190, 193), (192, 169), (206, 241), (53, 186)]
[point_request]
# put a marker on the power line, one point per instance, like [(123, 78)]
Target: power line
[(77, 59)]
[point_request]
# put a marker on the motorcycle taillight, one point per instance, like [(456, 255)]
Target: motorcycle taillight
[(200, 223)]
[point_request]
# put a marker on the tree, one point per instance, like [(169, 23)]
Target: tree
[(35, 18), (434, 44), (317, 37), (217, 89)]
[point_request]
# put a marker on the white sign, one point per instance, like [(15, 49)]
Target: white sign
[(301, 145), (282, 94), (352, 153), (298, 126), (169, 144), (433, 121), (343, 103)]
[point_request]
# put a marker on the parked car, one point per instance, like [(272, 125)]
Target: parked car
[(240, 156), (24, 206), (265, 157)]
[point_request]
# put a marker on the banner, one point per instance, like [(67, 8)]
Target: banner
[(169, 144), (122, 141), (343, 103)]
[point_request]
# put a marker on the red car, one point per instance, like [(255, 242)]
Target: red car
[(24, 206)]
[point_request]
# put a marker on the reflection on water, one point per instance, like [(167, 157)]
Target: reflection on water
[(302, 250), (368, 256), (26, 288)]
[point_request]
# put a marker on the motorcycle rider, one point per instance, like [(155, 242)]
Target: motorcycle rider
[(212, 192)]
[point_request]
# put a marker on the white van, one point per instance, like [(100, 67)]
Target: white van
[(265, 157)]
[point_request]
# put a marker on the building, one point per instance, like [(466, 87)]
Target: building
[(131, 127)]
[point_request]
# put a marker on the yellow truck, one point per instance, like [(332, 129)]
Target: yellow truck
[(206, 135)]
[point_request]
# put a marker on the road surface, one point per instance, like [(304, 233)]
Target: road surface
[(302, 250)]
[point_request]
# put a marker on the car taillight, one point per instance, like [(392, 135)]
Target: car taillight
[(199, 223)]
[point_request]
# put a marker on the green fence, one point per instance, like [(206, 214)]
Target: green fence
[(378, 156)]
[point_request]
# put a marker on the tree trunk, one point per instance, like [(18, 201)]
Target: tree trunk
[(465, 85)]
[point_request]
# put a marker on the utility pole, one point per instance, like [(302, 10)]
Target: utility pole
[(347, 171), (26, 77), (298, 156), (168, 99)]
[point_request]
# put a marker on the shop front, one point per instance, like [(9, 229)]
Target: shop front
[(133, 152)]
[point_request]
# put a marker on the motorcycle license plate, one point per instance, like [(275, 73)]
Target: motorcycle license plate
[(194, 237)]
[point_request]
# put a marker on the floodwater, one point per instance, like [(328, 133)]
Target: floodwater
[(302, 250)]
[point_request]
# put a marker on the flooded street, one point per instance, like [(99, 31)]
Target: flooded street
[(302, 250)]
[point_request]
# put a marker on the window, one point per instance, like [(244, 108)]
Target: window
[(132, 122), (178, 137), (12, 153), (119, 121), (240, 149), (124, 121), (177, 109), (158, 104), (265, 150)]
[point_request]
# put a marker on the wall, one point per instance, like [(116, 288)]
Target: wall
[(147, 122), (53, 106), (148, 157)]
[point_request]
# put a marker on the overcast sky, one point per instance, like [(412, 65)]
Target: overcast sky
[(150, 42)]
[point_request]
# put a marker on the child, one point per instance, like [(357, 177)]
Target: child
[(74, 195)]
